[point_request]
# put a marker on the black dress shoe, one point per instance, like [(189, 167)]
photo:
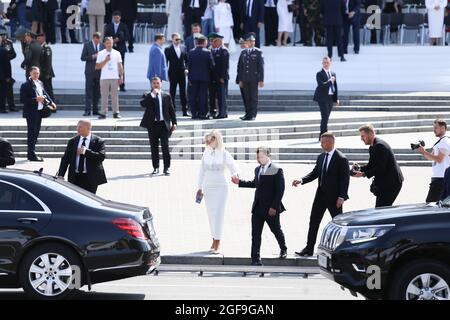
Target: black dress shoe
[(356, 52), (186, 114), (283, 254), (117, 116), (195, 118), (36, 159), (96, 113), (305, 253), (249, 119), (243, 118), (13, 109), (101, 116), (343, 59), (156, 171), (3, 111), (86, 114), (123, 90), (203, 118), (257, 263), (166, 172)]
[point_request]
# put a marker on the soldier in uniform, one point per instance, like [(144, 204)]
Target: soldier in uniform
[(314, 22), (47, 73), (243, 46), (7, 44), (251, 75), (31, 52), (219, 80)]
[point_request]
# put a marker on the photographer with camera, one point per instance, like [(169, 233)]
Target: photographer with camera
[(440, 157)]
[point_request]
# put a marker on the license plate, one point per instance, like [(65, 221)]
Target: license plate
[(323, 261)]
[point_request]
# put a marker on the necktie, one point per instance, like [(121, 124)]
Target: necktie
[(96, 48), (158, 112), (331, 83), (82, 158), (193, 4), (324, 168), (248, 8), (261, 172)]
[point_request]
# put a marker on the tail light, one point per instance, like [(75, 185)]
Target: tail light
[(132, 227)]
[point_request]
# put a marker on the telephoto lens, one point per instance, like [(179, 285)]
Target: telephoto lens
[(416, 145)]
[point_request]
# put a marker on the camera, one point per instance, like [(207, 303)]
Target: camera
[(418, 144), (355, 168)]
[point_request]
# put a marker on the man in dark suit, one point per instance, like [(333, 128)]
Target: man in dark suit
[(33, 96), (160, 121), (176, 56), (352, 18), (192, 12), (200, 66), (219, 81), (270, 22), (84, 157), (48, 16), (129, 14), (333, 173), (91, 74), (6, 154), (326, 93), (333, 12), (382, 165), (120, 34), (267, 205), (189, 41), (5, 77), (237, 7), (253, 17)]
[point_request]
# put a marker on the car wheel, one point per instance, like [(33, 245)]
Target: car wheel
[(421, 280), (51, 272)]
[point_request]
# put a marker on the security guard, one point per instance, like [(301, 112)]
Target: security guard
[(219, 80), (250, 75), (7, 44), (47, 73)]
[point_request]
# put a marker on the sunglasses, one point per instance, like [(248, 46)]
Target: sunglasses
[(177, 39)]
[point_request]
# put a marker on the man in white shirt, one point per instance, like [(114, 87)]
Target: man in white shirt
[(109, 61), (440, 155)]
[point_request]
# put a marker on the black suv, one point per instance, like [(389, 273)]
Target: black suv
[(399, 253)]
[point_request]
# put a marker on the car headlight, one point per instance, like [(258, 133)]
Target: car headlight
[(356, 235)]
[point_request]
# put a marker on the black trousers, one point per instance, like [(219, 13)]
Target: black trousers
[(258, 221), (355, 24), (130, 26), (320, 205), (192, 15), (73, 38), (334, 36), (270, 25), (33, 130), (243, 100), (250, 26), (218, 91), (325, 111), (250, 90), (82, 181), (180, 82), (3, 85), (156, 134), (435, 191), (92, 89), (387, 197), (48, 86), (48, 23), (122, 86), (198, 98), (9, 91)]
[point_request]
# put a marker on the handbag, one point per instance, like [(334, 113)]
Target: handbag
[(292, 7)]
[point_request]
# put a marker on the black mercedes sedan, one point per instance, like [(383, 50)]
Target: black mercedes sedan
[(56, 238), (397, 253)]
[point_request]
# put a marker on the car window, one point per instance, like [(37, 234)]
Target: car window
[(14, 199)]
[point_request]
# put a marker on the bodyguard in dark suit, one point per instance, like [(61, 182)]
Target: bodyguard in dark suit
[(200, 66), (160, 121), (326, 93), (120, 34), (192, 12), (333, 12), (176, 56), (6, 154), (128, 9), (84, 157), (333, 174), (219, 80), (382, 166), (91, 74), (5, 77), (253, 17), (352, 18), (267, 205)]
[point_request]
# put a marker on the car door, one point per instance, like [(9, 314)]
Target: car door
[(22, 216)]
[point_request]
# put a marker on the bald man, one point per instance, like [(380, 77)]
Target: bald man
[(84, 157)]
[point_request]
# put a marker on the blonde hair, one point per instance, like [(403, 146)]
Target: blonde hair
[(217, 136), (367, 128)]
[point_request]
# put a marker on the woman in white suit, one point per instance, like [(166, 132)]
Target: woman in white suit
[(436, 12), (285, 24), (173, 11), (213, 184), (223, 21)]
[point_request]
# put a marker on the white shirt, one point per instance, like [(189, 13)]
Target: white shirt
[(177, 50), (270, 4), (330, 90), (438, 169), (96, 46), (116, 27), (40, 92), (87, 143), (160, 105), (195, 5), (110, 71)]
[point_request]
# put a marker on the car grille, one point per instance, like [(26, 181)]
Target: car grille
[(330, 236)]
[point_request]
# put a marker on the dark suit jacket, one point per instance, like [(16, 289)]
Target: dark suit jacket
[(28, 98), (269, 190), (355, 6), (332, 12), (383, 166), (86, 55), (257, 12), (200, 64), (148, 120), (95, 155), (177, 66), (5, 65), (336, 179), (221, 64), (323, 86), (6, 154), (122, 33), (189, 43), (186, 4)]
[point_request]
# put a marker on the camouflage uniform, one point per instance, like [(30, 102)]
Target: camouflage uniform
[(8, 46), (47, 73), (314, 22)]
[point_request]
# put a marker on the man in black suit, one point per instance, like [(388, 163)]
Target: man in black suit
[(91, 74), (326, 93), (33, 96), (5, 77), (388, 178), (237, 7), (253, 18), (128, 9), (267, 204), (6, 154), (270, 22), (219, 81), (84, 157), (120, 34), (176, 56), (352, 18), (333, 174), (48, 16), (192, 12), (333, 12), (160, 121)]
